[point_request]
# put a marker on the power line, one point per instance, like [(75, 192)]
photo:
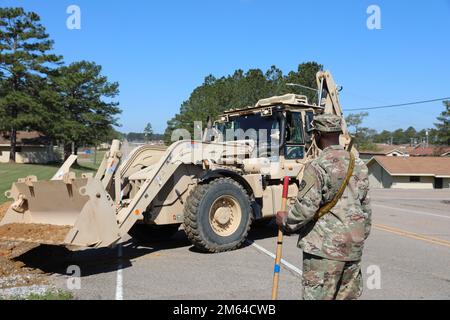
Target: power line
[(301, 86), (398, 105)]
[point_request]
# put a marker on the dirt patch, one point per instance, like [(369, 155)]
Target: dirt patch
[(3, 208), (14, 273), (17, 274), (13, 249), (9, 267), (40, 233)]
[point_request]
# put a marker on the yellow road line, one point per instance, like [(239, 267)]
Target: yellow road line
[(412, 235)]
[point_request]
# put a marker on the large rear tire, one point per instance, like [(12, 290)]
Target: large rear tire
[(217, 215)]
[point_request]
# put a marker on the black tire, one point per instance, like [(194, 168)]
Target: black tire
[(146, 233), (197, 223)]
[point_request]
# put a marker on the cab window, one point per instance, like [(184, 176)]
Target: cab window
[(309, 125), (295, 139), (294, 128)]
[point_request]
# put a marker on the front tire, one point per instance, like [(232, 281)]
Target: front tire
[(218, 215)]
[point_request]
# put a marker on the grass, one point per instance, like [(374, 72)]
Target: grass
[(50, 295), (55, 294), (10, 172), (88, 160)]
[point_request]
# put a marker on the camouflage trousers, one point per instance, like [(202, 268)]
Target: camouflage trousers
[(325, 279)]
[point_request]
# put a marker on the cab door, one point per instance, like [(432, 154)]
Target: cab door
[(294, 148)]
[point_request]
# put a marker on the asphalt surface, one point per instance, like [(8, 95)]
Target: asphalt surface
[(409, 245)]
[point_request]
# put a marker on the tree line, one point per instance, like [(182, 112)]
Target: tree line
[(145, 136), (73, 104), (366, 138), (240, 89)]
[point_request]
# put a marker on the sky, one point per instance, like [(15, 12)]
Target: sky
[(159, 51)]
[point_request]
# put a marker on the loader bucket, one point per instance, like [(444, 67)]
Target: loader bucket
[(78, 213)]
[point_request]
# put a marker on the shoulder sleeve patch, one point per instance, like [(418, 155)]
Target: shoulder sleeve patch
[(308, 181)]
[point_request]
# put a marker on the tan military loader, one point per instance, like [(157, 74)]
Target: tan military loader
[(215, 187)]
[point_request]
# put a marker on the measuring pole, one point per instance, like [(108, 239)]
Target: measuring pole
[(276, 269)]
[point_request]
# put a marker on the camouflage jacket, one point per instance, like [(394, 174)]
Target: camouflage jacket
[(339, 234)]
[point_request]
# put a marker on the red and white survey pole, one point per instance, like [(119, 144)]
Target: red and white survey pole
[(277, 267)]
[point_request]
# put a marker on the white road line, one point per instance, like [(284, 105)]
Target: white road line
[(119, 279), (410, 211), (272, 255)]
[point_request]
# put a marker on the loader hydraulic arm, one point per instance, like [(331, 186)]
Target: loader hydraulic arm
[(164, 169), (109, 165), (329, 92)]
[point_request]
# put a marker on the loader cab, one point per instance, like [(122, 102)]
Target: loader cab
[(263, 129), (278, 130)]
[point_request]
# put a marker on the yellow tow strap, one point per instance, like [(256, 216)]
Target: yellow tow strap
[(330, 205)]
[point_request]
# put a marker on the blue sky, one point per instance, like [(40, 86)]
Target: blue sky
[(159, 51)]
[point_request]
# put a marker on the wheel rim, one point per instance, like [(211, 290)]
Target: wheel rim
[(225, 216)]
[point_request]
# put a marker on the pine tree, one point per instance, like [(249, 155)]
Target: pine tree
[(148, 132), (25, 61), (84, 107), (443, 125)]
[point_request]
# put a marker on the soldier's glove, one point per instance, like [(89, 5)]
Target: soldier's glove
[(281, 218)]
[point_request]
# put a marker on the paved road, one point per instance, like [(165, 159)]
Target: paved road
[(409, 245)]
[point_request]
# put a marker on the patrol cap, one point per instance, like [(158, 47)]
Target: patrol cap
[(328, 123)]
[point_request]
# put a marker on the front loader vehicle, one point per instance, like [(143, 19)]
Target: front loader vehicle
[(214, 188)]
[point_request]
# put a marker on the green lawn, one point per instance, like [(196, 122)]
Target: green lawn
[(10, 172), (88, 160), (54, 294)]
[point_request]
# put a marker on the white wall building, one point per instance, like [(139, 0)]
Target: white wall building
[(409, 172), (32, 147)]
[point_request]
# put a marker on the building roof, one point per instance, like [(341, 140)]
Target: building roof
[(384, 149), (417, 151), (414, 166), (428, 151), (25, 138)]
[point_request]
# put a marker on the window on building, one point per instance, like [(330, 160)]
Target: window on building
[(414, 179)]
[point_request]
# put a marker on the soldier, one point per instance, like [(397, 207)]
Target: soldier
[(332, 213)]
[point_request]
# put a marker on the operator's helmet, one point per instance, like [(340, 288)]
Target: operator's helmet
[(327, 123)]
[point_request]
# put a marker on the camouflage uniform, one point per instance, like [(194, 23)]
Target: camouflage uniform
[(333, 244)]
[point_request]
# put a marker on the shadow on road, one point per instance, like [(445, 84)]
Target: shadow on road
[(56, 260), (265, 229)]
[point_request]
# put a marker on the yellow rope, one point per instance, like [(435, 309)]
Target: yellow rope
[(330, 205)]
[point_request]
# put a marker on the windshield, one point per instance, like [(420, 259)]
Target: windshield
[(252, 126)]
